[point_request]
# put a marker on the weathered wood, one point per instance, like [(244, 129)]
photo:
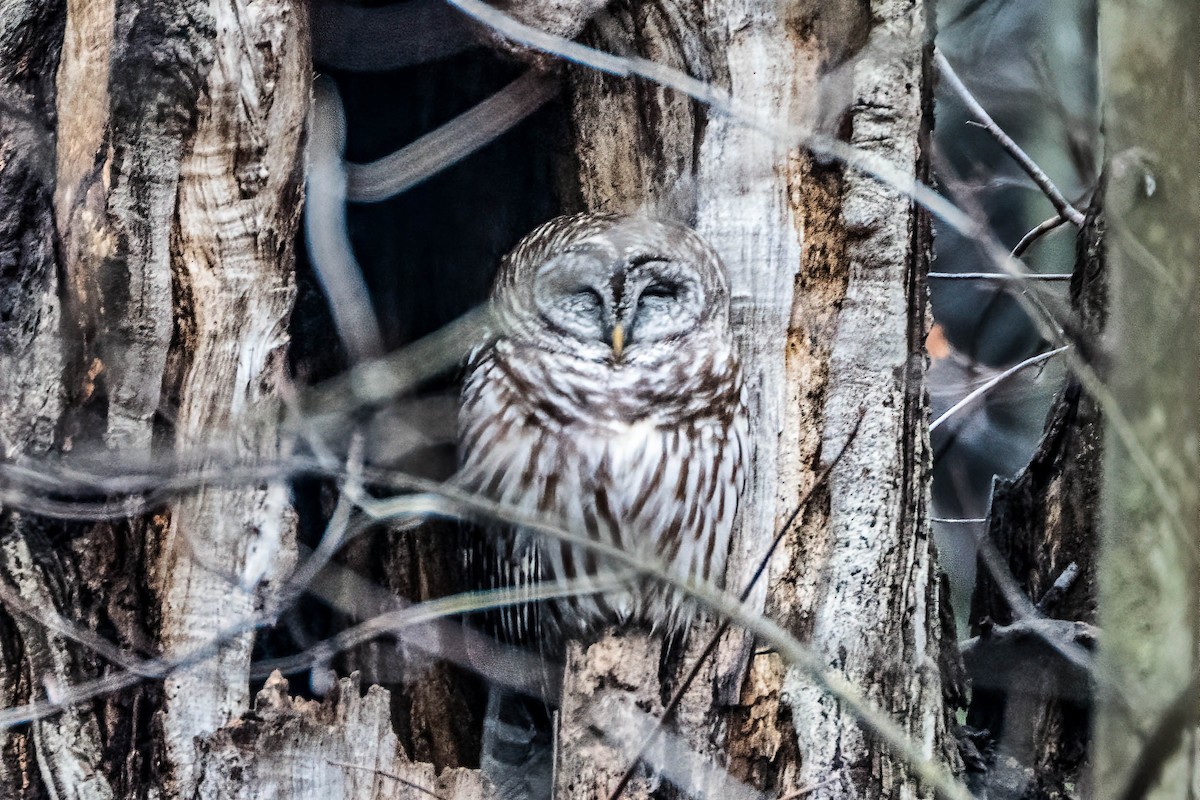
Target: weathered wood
[(877, 614), (826, 269), (1149, 572), (1043, 520), (341, 747), (587, 766), (167, 200), (239, 193), (47, 756)]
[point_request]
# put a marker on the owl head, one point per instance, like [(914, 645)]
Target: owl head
[(612, 289)]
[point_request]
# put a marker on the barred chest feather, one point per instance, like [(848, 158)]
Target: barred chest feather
[(654, 467)]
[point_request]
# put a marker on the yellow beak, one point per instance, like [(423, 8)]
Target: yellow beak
[(618, 340)]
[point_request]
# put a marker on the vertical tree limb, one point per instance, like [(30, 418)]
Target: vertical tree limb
[(239, 197), (797, 237), (64, 752), (877, 614), (1149, 573)]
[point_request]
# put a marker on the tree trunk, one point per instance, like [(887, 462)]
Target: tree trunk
[(1030, 705), (1149, 579), (827, 273), (151, 168), (150, 279)]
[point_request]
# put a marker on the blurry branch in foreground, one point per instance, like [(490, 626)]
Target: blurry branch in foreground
[(450, 143), (325, 229)]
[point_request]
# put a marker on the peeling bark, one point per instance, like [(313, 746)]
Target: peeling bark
[(152, 183), (238, 208), (39, 760)]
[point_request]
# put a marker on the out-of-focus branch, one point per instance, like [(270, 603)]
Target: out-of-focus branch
[(325, 230), (622, 724), (457, 139), (1002, 652), (389, 623)]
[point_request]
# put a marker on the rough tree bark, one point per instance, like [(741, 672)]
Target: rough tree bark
[(1029, 705), (827, 270), (169, 215), (1148, 574), (151, 173)]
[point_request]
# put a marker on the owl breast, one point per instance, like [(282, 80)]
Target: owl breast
[(659, 477)]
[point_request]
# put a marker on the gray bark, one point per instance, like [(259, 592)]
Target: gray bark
[(151, 156), (1148, 572), (826, 268), (178, 185)]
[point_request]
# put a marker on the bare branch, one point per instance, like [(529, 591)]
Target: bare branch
[(512, 667), (1060, 587), (1064, 209), (1042, 228), (1000, 277), (390, 775), (393, 622), (993, 383)]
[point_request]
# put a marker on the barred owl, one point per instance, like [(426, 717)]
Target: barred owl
[(612, 400)]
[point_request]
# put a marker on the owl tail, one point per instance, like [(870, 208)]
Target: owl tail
[(518, 746)]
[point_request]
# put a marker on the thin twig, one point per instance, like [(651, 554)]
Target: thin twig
[(1064, 208), (391, 622), (1044, 227), (386, 774), (998, 276), (993, 383)]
